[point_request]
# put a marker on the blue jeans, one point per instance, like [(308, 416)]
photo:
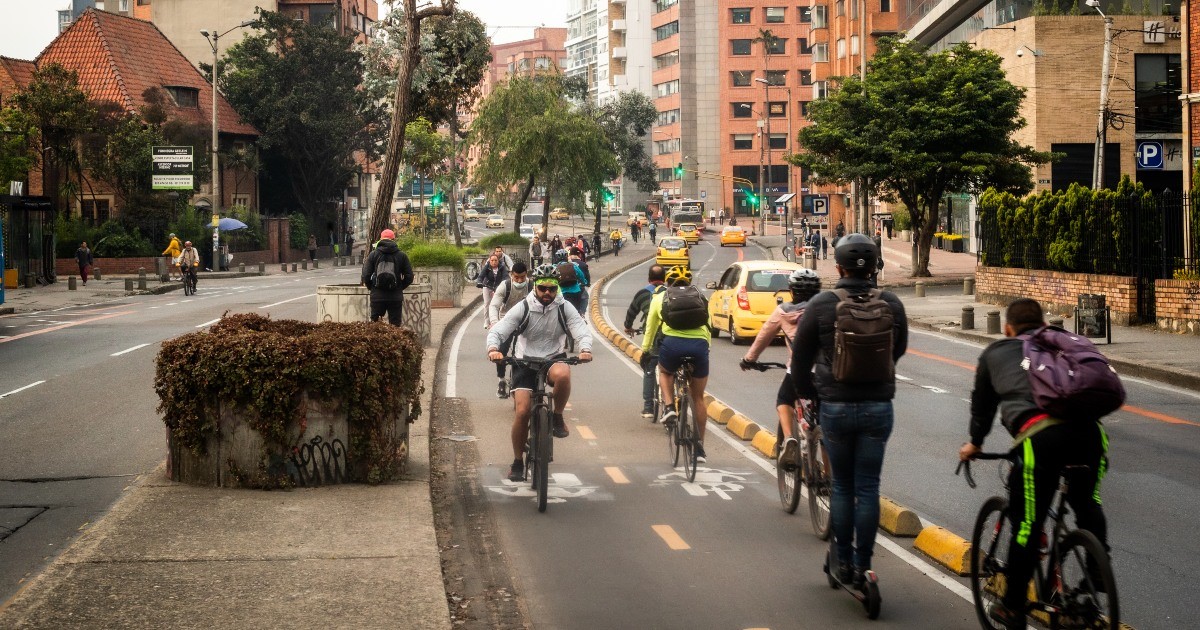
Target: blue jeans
[(856, 435)]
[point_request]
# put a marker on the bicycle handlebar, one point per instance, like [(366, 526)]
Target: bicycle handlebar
[(763, 366), (965, 466)]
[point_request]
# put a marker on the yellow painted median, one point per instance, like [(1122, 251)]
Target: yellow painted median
[(945, 548)]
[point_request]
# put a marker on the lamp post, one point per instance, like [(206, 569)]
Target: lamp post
[(1102, 118), (214, 38), (762, 215), (761, 147)]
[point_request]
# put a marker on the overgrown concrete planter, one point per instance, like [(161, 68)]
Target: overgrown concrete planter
[(352, 303), (446, 285)]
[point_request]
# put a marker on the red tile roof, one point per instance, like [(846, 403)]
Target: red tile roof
[(118, 58), (15, 74)]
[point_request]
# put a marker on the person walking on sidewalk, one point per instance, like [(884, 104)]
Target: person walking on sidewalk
[(640, 307), (855, 394), (824, 247), (387, 273), (173, 249), (712, 216), (83, 256), (312, 247)]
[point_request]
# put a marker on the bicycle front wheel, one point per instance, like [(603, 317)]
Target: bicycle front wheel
[(818, 478), (991, 533), (1088, 590), (542, 438), (789, 481)]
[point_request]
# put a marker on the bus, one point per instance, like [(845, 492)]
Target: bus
[(686, 211)]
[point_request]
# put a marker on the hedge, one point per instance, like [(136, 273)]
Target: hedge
[(501, 239)]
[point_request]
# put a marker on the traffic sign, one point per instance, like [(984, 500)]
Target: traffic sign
[(1150, 155), (171, 168), (820, 205)]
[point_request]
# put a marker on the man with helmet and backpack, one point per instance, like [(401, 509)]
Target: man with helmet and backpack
[(853, 335), (640, 307), (1053, 426), (803, 284), (543, 325), (680, 312)]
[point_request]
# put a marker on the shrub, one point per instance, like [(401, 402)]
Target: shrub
[(902, 218), (503, 238), (191, 225), (113, 241), (298, 227), (434, 254)]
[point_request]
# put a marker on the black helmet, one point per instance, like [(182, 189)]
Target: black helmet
[(856, 251), (804, 283)]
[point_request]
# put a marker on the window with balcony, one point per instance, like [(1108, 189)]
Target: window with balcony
[(666, 60), (805, 15), (742, 78), (820, 16), (741, 46), (743, 141), (743, 110), (663, 5), (841, 48), (776, 77), (806, 77), (775, 15), (739, 16), (804, 48), (820, 52), (778, 141), (669, 117), (776, 46), (666, 30), (667, 89)]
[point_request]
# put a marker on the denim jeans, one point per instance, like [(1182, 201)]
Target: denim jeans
[(649, 378), (856, 435)]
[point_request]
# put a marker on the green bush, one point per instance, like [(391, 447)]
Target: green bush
[(109, 240), (191, 225), (903, 219), (434, 254), (503, 238), (299, 230), (472, 250)]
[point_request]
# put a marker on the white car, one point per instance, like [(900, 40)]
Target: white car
[(495, 221), (526, 231)]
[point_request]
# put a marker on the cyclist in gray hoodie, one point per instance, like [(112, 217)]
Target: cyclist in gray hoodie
[(544, 325)]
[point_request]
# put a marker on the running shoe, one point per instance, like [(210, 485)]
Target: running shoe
[(701, 458), (516, 472), (559, 427), (788, 456)]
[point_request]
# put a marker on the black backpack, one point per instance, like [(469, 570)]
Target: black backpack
[(684, 308), (862, 339), (385, 273)]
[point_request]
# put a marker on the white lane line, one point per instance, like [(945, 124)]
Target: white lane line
[(452, 364), (930, 571), (21, 389), (291, 300), (128, 350), (208, 323), (172, 304)]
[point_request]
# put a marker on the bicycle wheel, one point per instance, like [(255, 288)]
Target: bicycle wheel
[(187, 286), (789, 481), (818, 479), (542, 437), (687, 436), (991, 533), (1087, 592)]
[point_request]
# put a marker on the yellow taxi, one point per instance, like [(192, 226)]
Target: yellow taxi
[(558, 214), (688, 232), (672, 252), (495, 221), (733, 235), (744, 297)]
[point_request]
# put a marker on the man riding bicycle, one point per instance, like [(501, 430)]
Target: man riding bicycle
[(189, 262), (640, 306), (539, 327), (510, 293), (1042, 445), (676, 345), (803, 284)]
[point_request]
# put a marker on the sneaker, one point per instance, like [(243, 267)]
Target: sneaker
[(648, 410), (516, 472), (701, 458), (860, 577), (559, 427), (669, 416), (1005, 616), (845, 574), (788, 456), (502, 389)]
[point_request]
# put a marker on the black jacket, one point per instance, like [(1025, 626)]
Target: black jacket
[(491, 278), (640, 304), (814, 346), (404, 272), (1001, 382), (83, 256)]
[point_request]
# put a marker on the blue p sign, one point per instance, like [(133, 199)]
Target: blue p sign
[(1150, 155)]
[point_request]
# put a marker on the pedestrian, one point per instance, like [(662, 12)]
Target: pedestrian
[(83, 256), (723, 214), (841, 231), (556, 244), (312, 246), (173, 249), (535, 252), (653, 233), (712, 216), (387, 273), (824, 247), (596, 241), (349, 244), (889, 222), (494, 272), (615, 237), (855, 394)]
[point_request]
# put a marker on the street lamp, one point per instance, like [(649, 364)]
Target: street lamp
[(762, 144), (1102, 123), (762, 216), (214, 38)]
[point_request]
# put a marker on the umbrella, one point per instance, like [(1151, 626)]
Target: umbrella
[(229, 224)]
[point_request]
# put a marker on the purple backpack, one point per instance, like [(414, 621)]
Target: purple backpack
[(1069, 377)]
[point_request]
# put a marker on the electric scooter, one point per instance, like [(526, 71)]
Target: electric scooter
[(867, 594)]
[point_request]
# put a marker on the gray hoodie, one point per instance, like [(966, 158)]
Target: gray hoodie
[(544, 336)]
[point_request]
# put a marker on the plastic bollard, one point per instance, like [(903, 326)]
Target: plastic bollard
[(993, 322), (1056, 321), (128, 284), (96, 273), (141, 278), (968, 318), (71, 284), (241, 267), (968, 286), (919, 289)]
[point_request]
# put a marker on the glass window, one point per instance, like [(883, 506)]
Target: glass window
[(1157, 85), (803, 108), (321, 14), (820, 17), (740, 46), (666, 60), (666, 30), (667, 89), (776, 77), (184, 96), (820, 52), (768, 281), (742, 78), (885, 6), (854, 44), (778, 141), (742, 141), (805, 49), (775, 15), (662, 147), (806, 77), (742, 110), (669, 117), (841, 48), (663, 5), (820, 90), (739, 16), (777, 109), (776, 46), (854, 9), (839, 7), (666, 174), (94, 211), (805, 15)]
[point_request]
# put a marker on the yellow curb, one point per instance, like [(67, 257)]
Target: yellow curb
[(633, 350), (742, 426), (718, 412), (898, 520), (708, 398), (622, 343), (764, 442), (945, 548)]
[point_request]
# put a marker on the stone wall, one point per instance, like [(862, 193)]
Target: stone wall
[(1177, 305), (1058, 291)]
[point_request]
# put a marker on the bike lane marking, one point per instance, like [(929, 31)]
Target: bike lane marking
[(616, 475), (452, 364), (585, 432), (208, 323), (62, 326), (128, 350), (21, 389), (674, 541), (286, 301)]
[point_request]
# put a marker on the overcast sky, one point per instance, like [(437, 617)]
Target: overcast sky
[(27, 26)]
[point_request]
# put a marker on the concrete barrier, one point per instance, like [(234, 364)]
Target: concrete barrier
[(945, 548), (719, 412), (742, 427), (764, 442), (898, 520)]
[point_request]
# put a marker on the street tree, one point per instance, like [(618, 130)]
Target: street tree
[(299, 85), (62, 113), (17, 136), (428, 153), (921, 125), (626, 121)]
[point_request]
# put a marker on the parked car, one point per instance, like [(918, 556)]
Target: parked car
[(745, 296), (495, 221), (559, 214)]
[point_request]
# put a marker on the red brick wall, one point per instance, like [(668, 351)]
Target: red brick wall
[(1177, 305), (68, 266), (1058, 291)]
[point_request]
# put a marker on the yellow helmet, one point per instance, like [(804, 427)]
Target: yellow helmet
[(679, 276)]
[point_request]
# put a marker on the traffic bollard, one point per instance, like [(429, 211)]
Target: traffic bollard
[(919, 289), (71, 284), (30, 279), (262, 267), (304, 264), (141, 278), (993, 322), (968, 318), (968, 286), (283, 267), (360, 257), (128, 284), (293, 267), (1056, 321), (315, 264), (241, 267), (96, 273)]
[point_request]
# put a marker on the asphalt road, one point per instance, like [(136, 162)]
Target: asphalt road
[(77, 403)]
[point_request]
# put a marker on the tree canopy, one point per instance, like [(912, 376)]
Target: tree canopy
[(17, 135), (920, 126), (61, 113)]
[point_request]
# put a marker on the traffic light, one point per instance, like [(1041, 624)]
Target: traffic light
[(608, 195), (679, 171), (437, 198), (752, 198)]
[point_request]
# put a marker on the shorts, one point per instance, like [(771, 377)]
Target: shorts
[(673, 350), (787, 395), (526, 377)]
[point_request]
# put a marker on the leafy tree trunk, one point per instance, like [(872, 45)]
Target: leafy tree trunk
[(521, 205), (453, 196), (401, 110), (924, 224)]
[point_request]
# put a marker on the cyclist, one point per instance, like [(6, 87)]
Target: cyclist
[(510, 293), (1045, 445), (535, 251), (856, 400), (540, 329), (803, 284), (615, 237), (673, 348), (653, 233), (640, 306), (189, 261)]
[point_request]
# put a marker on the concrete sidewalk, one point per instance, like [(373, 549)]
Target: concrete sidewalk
[(946, 267)]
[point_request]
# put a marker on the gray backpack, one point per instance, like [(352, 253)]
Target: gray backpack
[(862, 339)]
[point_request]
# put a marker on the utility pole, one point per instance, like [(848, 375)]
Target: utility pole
[(762, 144), (1102, 116), (863, 222)]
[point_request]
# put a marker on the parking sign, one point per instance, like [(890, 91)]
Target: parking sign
[(1150, 155)]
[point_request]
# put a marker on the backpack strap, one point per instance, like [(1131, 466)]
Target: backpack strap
[(562, 321), (522, 326)]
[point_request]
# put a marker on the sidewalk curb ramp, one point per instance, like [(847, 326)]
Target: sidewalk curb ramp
[(945, 548)]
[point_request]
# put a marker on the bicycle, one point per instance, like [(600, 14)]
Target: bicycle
[(810, 468), (682, 437), (189, 281), (539, 446), (1073, 583), (794, 249)]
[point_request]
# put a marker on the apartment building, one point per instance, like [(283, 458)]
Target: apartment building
[(129, 8)]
